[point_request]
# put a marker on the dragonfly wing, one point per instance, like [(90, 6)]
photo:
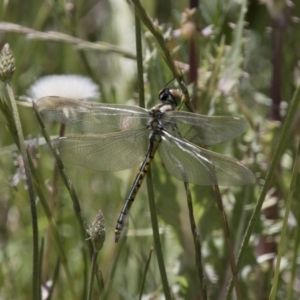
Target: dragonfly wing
[(193, 164), (110, 152), (203, 130), (93, 117)]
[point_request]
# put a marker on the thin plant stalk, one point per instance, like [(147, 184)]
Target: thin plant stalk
[(52, 207), (92, 274), (284, 224), (145, 273), (277, 154), (41, 263), (32, 198), (112, 270), (151, 200), (293, 264), (156, 237), (54, 279), (193, 56), (233, 265), (238, 237), (197, 244), (65, 38), (139, 61)]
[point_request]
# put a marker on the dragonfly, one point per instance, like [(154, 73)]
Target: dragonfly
[(118, 137)]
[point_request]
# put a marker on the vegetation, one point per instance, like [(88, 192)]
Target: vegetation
[(235, 58)]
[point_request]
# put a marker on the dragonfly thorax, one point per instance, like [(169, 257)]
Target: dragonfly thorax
[(156, 114), (155, 123)]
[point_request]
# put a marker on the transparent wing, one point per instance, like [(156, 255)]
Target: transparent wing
[(93, 117), (110, 152), (193, 164), (203, 130)]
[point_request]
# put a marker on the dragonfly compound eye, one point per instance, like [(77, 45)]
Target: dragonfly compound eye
[(169, 96)]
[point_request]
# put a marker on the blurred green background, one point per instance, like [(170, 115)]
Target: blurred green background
[(247, 64)]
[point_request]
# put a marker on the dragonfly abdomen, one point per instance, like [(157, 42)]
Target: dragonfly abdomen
[(154, 140)]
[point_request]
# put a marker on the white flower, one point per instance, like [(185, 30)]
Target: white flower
[(68, 86)]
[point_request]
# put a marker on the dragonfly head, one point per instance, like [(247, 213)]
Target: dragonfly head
[(170, 96)]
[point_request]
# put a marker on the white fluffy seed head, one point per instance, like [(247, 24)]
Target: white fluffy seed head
[(68, 86)]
